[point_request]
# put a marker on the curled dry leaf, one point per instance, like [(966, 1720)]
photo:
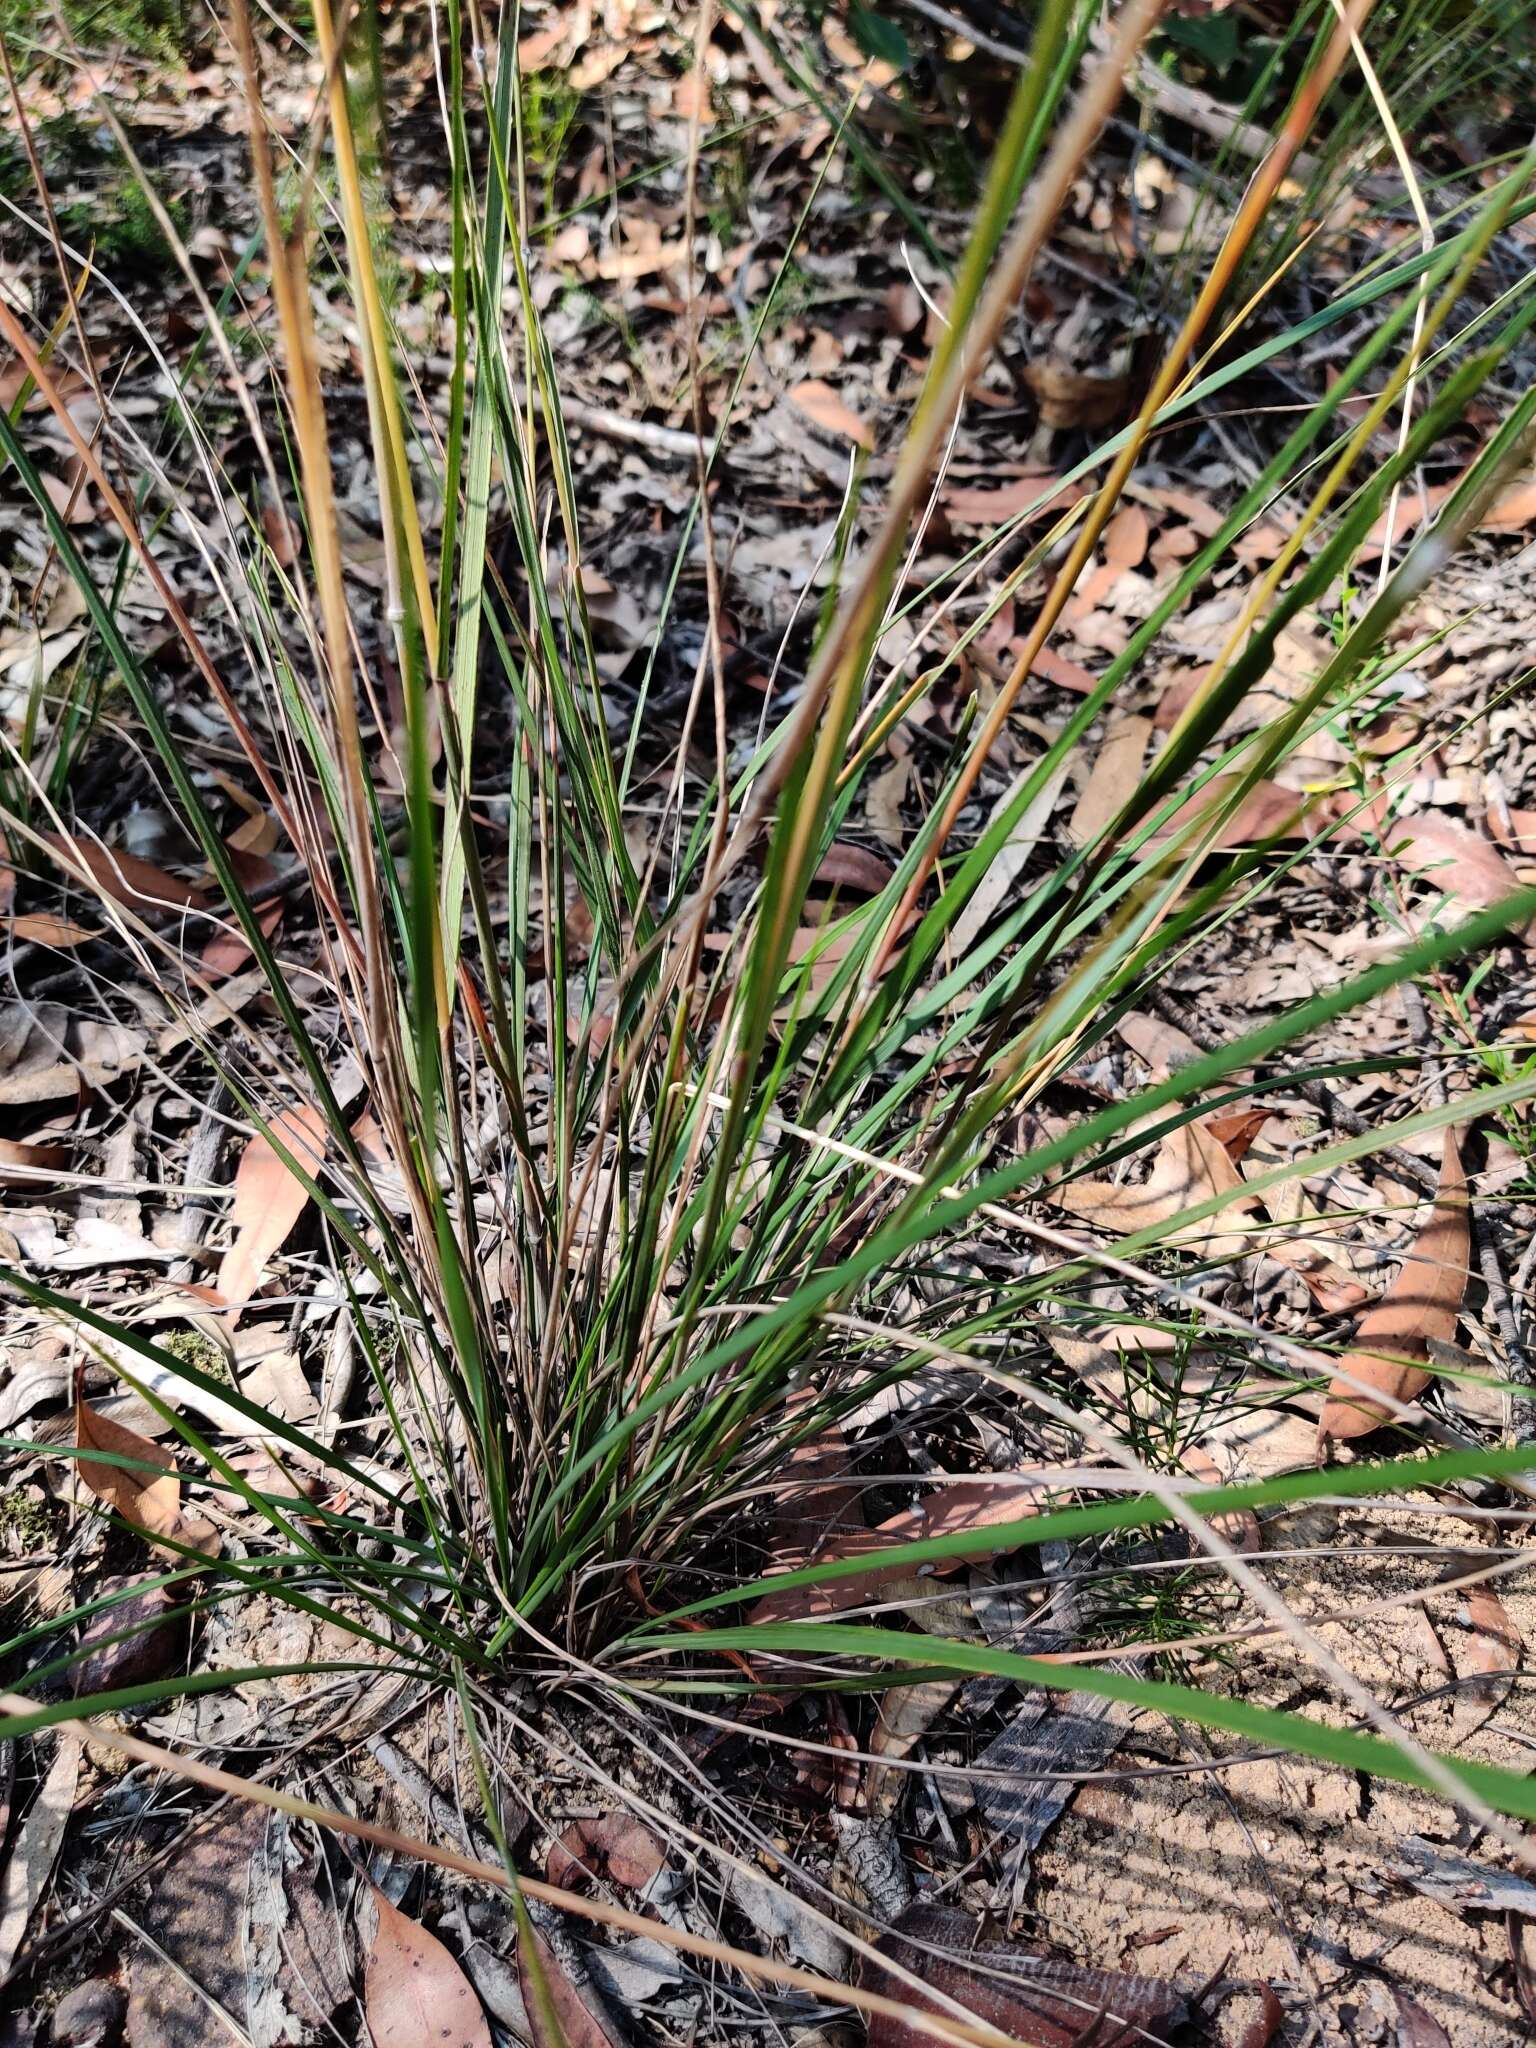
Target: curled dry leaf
[(614, 1848), (1266, 2022), (1069, 397), (269, 1198), (1029, 1997), (1391, 1347), (150, 1500), (1189, 1166), (1468, 868), (413, 1990), (846, 866), (823, 408)]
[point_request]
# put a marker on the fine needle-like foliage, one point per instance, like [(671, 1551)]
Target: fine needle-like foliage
[(630, 1160)]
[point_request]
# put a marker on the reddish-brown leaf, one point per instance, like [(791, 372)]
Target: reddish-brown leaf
[(1266, 2023), (1027, 1995), (1391, 1347), (1266, 812), (845, 866), (1236, 1130), (159, 1630), (269, 1198), (579, 2020), (414, 1993), (613, 1847), (227, 951), (125, 878), (1417, 2028), (1469, 868)]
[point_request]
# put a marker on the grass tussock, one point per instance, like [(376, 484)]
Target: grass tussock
[(636, 1162)]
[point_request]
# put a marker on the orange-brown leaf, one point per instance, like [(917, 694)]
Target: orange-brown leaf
[(269, 1198), (1040, 494), (150, 1500), (41, 928), (28, 1166), (822, 406), (1391, 1347)]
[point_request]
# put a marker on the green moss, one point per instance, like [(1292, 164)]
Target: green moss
[(192, 1348), (98, 200), (26, 1523), (147, 28)]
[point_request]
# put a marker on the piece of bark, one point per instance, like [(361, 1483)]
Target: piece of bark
[(1043, 1738)]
